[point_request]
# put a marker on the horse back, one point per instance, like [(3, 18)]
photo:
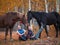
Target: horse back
[(49, 19)]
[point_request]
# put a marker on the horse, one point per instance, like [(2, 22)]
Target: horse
[(44, 19), (8, 20)]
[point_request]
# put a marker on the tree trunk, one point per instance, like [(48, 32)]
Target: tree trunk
[(57, 5), (22, 6), (16, 9), (29, 5), (46, 6)]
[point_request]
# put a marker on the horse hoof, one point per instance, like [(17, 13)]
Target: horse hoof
[(56, 36), (11, 40), (48, 37)]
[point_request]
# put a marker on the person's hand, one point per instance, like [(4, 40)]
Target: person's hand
[(26, 32)]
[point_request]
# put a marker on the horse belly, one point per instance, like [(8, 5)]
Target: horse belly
[(51, 21), (2, 23)]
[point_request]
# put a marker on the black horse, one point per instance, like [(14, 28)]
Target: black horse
[(44, 19), (8, 20)]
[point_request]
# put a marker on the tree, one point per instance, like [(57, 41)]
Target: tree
[(57, 5), (29, 5), (46, 6), (22, 6)]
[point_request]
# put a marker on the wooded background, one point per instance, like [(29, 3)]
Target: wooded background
[(23, 5)]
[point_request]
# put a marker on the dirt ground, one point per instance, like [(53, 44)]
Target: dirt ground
[(42, 41)]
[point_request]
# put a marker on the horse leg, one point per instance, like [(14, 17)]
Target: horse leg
[(6, 33), (56, 28), (46, 30), (40, 30), (11, 34)]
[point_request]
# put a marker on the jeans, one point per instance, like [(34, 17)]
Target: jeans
[(24, 38), (39, 31)]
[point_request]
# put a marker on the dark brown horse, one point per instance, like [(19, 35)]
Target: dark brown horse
[(8, 20)]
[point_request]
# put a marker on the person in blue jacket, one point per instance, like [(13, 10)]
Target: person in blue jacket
[(21, 32)]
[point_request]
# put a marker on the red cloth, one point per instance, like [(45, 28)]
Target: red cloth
[(20, 21)]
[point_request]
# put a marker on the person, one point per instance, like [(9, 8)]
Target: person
[(25, 34), (22, 33), (30, 34), (22, 25)]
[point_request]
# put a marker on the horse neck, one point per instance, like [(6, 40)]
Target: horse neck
[(24, 20), (34, 15), (37, 19)]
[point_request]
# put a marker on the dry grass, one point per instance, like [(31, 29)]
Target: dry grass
[(43, 41)]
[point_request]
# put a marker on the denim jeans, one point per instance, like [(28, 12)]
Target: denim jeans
[(39, 31), (23, 38)]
